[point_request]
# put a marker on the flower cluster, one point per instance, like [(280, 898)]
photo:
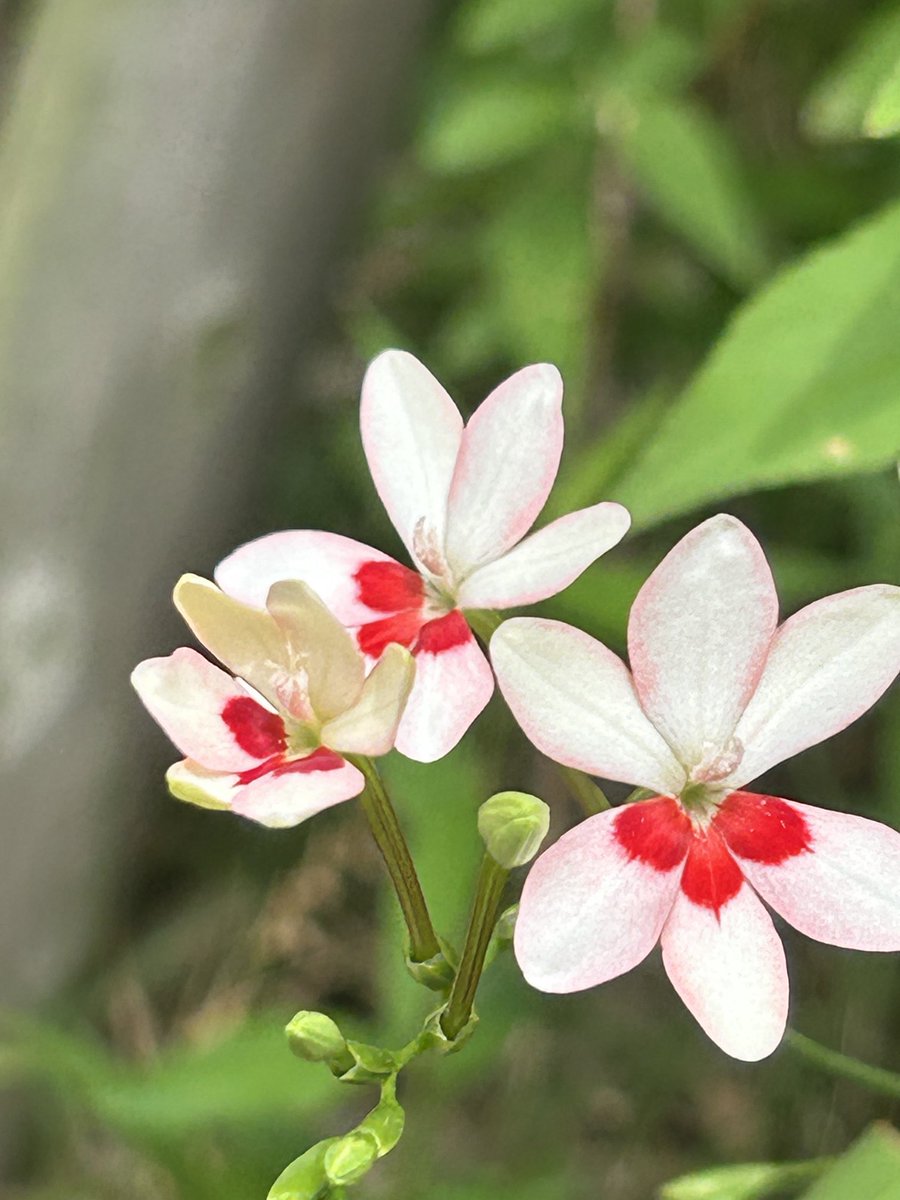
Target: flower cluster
[(338, 652)]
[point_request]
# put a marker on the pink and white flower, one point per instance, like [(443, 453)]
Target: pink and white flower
[(269, 740), (715, 696), (462, 499)]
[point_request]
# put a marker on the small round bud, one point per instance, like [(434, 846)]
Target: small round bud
[(348, 1159), (512, 826), (315, 1037)]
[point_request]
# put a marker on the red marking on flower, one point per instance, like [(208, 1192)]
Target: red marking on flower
[(763, 829), (257, 731), (443, 633), (389, 587), (321, 759), (711, 876), (655, 832), (402, 627)]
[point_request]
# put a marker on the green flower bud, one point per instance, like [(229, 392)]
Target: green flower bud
[(512, 826), (304, 1178), (316, 1038), (349, 1158)]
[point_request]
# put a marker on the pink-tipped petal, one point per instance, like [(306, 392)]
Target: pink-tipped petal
[(453, 684), (287, 796), (331, 564), (827, 665), (547, 561), (729, 969), (507, 464), (411, 432), (842, 888), (206, 713), (575, 701), (594, 904), (697, 640)]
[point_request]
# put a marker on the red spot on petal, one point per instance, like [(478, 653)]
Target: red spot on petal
[(443, 634), (257, 731), (320, 760), (656, 832), (402, 627), (764, 829), (711, 876), (389, 587)]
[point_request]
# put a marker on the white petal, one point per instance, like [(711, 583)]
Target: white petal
[(589, 911), (319, 647), (452, 686), (827, 664), (370, 726), (507, 464), (845, 890), (697, 640), (188, 697), (411, 432), (281, 801), (547, 561), (729, 970), (328, 562), (575, 701)]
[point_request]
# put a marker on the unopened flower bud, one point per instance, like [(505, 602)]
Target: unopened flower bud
[(512, 826), (315, 1037), (349, 1158)]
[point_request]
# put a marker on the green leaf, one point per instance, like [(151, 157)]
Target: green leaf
[(804, 384), (883, 115), (493, 121), (870, 1170), (542, 269), (837, 107), (487, 25), (745, 1181), (691, 175)]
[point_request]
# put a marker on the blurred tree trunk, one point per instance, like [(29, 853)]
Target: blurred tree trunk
[(172, 180)]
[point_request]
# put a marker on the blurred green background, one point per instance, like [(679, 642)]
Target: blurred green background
[(692, 207)]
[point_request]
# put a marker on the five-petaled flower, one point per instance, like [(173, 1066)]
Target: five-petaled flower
[(462, 499), (716, 696), (270, 743)]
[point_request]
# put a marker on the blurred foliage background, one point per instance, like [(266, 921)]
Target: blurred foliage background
[(692, 207)]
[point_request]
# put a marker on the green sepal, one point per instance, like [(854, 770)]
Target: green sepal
[(434, 1032), (436, 973), (370, 1064), (501, 938), (305, 1178)]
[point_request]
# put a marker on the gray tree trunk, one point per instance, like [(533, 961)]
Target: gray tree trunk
[(172, 178)]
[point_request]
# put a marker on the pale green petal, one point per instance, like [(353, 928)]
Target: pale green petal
[(370, 726), (192, 783), (319, 645)]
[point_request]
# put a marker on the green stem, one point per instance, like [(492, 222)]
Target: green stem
[(585, 791), (483, 622), (875, 1078), (485, 910), (389, 838)]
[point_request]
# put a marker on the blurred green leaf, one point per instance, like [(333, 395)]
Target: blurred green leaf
[(837, 106), (744, 1181), (493, 120), (870, 1170), (543, 265), (883, 115), (804, 384), (690, 173), (487, 25), (662, 61)]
